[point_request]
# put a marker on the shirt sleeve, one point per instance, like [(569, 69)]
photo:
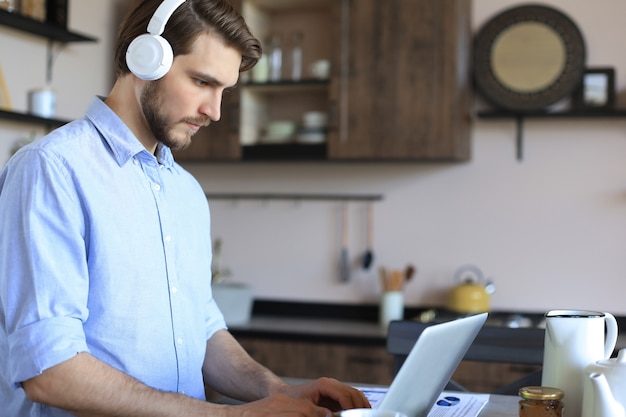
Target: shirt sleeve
[(43, 272), (215, 319)]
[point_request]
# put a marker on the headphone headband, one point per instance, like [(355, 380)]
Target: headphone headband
[(162, 14)]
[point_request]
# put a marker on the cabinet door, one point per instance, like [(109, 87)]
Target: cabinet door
[(401, 83), (349, 363)]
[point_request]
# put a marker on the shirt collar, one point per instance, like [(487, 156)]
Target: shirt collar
[(123, 143)]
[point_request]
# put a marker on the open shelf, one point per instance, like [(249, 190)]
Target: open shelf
[(284, 152), (572, 114), (51, 32), (31, 118), (294, 196), (46, 30), (567, 114)]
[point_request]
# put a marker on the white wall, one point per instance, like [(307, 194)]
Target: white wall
[(550, 230)]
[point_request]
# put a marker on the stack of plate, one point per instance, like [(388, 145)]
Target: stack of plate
[(279, 131), (313, 128)]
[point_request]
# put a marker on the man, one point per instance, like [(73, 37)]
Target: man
[(105, 249)]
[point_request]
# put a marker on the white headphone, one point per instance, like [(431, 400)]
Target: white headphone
[(149, 56)]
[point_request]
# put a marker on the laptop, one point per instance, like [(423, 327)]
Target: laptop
[(428, 367)]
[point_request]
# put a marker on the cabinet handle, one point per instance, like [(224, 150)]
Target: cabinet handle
[(344, 71)]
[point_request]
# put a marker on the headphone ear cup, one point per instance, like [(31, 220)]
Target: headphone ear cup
[(149, 57)]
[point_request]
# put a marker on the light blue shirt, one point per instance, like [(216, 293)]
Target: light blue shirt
[(106, 249)]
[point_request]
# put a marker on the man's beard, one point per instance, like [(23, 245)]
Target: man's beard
[(151, 103)]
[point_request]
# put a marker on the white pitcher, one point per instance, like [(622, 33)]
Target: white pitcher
[(573, 340)]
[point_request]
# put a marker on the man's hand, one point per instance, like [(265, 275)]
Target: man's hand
[(330, 394), (280, 405), (317, 398)]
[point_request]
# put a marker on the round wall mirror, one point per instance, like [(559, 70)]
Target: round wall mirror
[(528, 57)]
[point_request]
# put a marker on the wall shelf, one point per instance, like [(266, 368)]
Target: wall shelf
[(46, 30), (569, 114), (53, 33), (294, 196), (31, 119), (276, 152)]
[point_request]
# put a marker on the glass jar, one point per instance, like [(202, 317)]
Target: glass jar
[(296, 56), (540, 402), (276, 58)]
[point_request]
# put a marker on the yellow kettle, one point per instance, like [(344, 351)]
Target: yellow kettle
[(471, 294)]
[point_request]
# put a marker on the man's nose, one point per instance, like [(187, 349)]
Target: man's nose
[(212, 107)]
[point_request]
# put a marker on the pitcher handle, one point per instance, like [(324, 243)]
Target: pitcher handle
[(611, 334)]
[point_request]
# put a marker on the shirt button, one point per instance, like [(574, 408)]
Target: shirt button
[(156, 187), (168, 238), (174, 290), (179, 341)]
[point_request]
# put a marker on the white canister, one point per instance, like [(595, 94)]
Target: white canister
[(42, 102), (391, 308)]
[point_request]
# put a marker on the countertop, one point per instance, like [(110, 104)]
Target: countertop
[(498, 405), (330, 330), (347, 324)]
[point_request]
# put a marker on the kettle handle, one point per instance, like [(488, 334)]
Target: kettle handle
[(611, 334), (471, 271)]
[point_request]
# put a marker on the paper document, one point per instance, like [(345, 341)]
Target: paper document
[(449, 404), (458, 404)]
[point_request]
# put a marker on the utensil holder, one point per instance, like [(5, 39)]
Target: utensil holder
[(391, 307)]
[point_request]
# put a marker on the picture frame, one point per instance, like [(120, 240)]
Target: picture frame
[(596, 90), (5, 99)]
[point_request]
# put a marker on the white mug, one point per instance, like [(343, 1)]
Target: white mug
[(320, 69), (42, 102)]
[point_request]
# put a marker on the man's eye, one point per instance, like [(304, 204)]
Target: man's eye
[(201, 83)]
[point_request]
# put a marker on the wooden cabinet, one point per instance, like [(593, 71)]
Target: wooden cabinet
[(399, 87), (405, 91), (303, 359), (366, 364)]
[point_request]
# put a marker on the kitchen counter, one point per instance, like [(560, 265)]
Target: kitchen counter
[(345, 342), (330, 330), (498, 405), (354, 324)]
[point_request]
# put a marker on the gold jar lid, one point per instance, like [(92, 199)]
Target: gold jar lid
[(541, 393)]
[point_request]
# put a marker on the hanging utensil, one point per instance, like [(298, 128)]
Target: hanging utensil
[(344, 259), (368, 257), (409, 273)]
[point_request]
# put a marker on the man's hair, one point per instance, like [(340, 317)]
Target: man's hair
[(189, 20)]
